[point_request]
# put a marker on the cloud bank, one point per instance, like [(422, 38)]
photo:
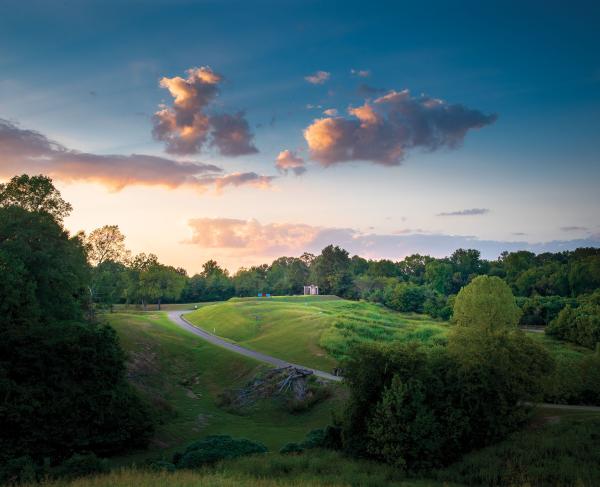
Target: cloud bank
[(186, 127), (468, 212), (287, 160), (383, 131), (23, 150), (242, 240)]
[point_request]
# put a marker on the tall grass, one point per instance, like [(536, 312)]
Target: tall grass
[(561, 455)]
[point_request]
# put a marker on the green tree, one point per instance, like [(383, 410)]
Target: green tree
[(331, 272), (438, 275), (160, 282), (34, 194), (106, 243), (486, 303)]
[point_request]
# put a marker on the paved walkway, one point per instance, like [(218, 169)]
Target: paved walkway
[(177, 318)]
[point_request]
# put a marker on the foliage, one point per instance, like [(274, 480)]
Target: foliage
[(331, 272), (563, 454), (214, 448), (419, 408), (579, 325), (106, 244), (82, 465), (45, 269), (65, 392), (62, 380), (487, 302), (35, 194)]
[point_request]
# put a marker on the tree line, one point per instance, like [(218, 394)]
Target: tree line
[(544, 284)]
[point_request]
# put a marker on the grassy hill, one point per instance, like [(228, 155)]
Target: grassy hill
[(182, 377), (315, 331)]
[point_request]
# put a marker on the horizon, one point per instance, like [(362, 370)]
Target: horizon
[(246, 132)]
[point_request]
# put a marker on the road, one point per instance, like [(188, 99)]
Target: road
[(177, 318)]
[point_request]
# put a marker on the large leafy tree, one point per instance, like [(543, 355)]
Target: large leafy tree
[(36, 194), (62, 380), (106, 243), (331, 271)]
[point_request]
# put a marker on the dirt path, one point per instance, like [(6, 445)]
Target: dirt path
[(177, 318)]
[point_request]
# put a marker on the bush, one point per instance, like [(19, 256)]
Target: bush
[(291, 449), (214, 448), (82, 465), (578, 325), (541, 310), (563, 454), (18, 470)]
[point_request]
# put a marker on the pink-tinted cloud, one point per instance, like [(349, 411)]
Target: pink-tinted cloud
[(318, 78), (250, 236), (385, 130), (23, 150), (287, 160), (186, 128), (361, 73), (330, 112), (243, 241), (239, 179)]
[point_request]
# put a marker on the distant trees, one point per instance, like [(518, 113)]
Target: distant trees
[(579, 324), (106, 244), (331, 272)]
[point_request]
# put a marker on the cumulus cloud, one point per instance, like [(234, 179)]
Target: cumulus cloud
[(186, 127), (467, 212), (231, 134), (23, 150), (361, 73), (242, 240), (386, 129), (287, 160), (330, 112), (318, 78)]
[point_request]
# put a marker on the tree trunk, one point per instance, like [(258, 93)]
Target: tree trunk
[(158, 304)]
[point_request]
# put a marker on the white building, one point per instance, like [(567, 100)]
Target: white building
[(311, 290)]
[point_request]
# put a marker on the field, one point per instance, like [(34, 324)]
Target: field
[(182, 376), (316, 331)]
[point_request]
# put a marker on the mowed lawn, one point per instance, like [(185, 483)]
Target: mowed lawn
[(315, 331), (182, 376)]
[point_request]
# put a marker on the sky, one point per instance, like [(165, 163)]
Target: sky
[(244, 131)]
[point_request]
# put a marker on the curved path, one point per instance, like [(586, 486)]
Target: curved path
[(177, 318)]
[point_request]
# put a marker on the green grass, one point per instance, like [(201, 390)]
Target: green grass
[(315, 331), (181, 376), (315, 468)]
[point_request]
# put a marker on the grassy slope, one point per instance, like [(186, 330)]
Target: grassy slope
[(181, 375), (294, 328)]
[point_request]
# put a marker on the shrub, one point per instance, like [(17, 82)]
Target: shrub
[(291, 449), (17, 470), (578, 325), (162, 465), (214, 448), (80, 465)]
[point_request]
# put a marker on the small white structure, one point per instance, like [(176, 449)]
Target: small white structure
[(311, 290)]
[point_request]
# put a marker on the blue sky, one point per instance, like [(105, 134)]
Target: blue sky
[(86, 74)]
